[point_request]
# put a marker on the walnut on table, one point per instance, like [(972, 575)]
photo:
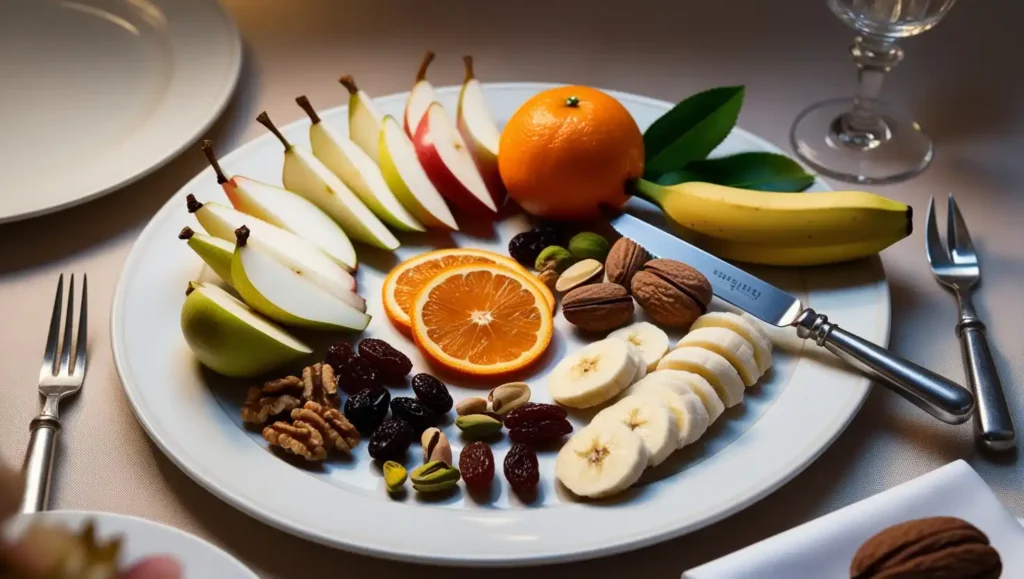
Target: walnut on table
[(314, 431), (318, 384)]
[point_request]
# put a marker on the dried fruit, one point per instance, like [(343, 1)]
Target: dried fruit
[(394, 476), (672, 293), (525, 247), (598, 307), (434, 477), (432, 393), (554, 257), (624, 260), (589, 245), (507, 397), (541, 433), (358, 374), (367, 408), (477, 426), (412, 411), (579, 274), (435, 446), (392, 365), (474, 405), (391, 440), (934, 547), (533, 413), (476, 463), (522, 469), (338, 355)]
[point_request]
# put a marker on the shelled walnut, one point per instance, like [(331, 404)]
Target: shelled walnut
[(335, 430), (318, 384), (299, 439)]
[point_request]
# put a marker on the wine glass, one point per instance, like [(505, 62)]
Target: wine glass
[(864, 139)]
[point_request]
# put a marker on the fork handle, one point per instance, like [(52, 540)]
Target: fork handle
[(42, 447), (993, 420)]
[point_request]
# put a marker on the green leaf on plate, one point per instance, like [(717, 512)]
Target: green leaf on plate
[(759, 171), (692, 129)]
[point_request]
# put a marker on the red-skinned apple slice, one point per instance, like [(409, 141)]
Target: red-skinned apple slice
[(477, 126), (420, 97), (448, 163)]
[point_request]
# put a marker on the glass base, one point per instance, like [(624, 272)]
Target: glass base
[(893, 150)]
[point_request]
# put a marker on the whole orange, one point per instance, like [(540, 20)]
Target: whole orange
[(568, 150)]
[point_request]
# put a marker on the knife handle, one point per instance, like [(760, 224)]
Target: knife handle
[(942, 398)]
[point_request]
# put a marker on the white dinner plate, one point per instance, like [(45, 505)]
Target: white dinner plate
[(142, 538), (785, 423), (97, 93)]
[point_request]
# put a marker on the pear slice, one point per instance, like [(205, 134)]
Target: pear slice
[(443, 155), (221, 222), (357, 170), (476, 123), (408, 180), (286, 210), (364, 122), (215, 252), (231, 339), (420, 97), (274, 290), (307, 176)]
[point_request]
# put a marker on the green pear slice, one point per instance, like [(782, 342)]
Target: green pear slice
[(221, 221), (307, 176), (274, 290), (230, 338), (364, 121), (404, 174), (215, 252), (357, 170)]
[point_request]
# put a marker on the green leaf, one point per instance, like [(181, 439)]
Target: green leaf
[(759, 171), (692, 129)]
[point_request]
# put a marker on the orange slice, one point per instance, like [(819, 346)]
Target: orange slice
[(408, 277), (481, 319)]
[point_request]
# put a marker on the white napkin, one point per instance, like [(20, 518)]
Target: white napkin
[(824, 547)]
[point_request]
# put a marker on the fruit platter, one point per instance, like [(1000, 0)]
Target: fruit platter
[(382, 327)]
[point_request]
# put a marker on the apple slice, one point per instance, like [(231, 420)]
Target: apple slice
[(477, 126), (445, 158), (363, 119), (221, 222), (215, 252), (273, 289), (231, 339), (307, 176), (420, 97), (408, 180), (358, 171), (286, 210)]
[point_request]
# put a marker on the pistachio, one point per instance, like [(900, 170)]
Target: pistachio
[(548, 277), (578, 274), (474, 405), (436, 446), (394, 476), (508, 397), (434, 476), (598, 307), (589, 245), (477, 426), (554, 257)]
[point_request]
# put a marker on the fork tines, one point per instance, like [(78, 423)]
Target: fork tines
[(53, 339), (958, 249)]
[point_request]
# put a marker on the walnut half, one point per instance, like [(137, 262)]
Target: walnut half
[(335, 430), (318, 384), (298, 438)]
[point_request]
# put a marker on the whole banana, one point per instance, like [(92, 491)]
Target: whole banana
[(781, 228)]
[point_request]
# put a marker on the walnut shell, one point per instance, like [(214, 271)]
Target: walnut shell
[(945, 547), (624, 260), (684, 277), (598, 307)]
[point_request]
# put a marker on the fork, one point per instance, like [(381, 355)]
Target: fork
[(956, 266), (56, 382)]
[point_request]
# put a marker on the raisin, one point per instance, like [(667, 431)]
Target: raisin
[(522, 469), (367, 408), (549, 235), (357, 375), (540, 433), (476, 463), (391, 440), (534, 413), (525, 248), (412, 411), (392, 364), (338, 355), (432, 393)]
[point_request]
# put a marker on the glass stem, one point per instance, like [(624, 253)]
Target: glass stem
[(874, 56)]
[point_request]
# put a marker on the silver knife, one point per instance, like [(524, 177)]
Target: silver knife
[(934, 394)]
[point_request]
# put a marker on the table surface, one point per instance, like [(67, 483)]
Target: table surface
[(957, 78)]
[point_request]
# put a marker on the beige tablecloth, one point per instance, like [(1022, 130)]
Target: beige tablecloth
[(962, 79)]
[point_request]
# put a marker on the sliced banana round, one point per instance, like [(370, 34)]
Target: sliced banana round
[(712, 367), (745, 326), (600, 460), (681, 383), (641, 366), (691, 417), (651, 419), (729, 345), (650, 339), (593, 374)]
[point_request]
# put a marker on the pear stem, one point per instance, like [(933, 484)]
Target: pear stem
[(304, 104), (191, 288), (427, 59), (468, 60), (186, 233), (349, 83), (242, 236), (264, 120), (192, 204), (648, 191), (208, 151)]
